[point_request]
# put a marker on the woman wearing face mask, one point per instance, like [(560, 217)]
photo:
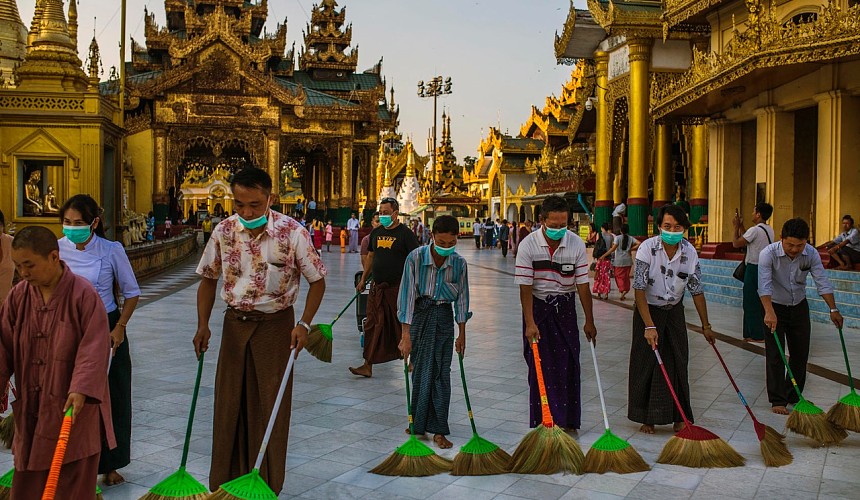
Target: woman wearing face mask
[(666, 266), (105, 264)]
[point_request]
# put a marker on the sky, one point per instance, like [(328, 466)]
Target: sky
[(499, 53)]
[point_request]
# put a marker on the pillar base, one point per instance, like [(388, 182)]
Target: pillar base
[(637, 216), (602, 212)]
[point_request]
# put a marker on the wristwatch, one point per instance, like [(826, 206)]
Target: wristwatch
[(305, 325), (834, 310)]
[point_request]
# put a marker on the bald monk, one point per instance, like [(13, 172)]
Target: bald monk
[(54, 338)]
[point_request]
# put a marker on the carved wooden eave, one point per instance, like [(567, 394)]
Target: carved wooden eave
[(678, 11), (258, 53), (579, 37), (752, 64), (633, 20)]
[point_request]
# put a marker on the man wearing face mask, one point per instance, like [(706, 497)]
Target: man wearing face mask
[(262, 255), (552, 268), (390, 243), (434, 278)]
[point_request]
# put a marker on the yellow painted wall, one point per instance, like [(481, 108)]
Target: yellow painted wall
[(141, 153)]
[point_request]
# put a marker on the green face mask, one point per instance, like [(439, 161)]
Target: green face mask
[(444, 252), (670, 237), (77, 234), (254, 224), (555, 234), (385, 220)]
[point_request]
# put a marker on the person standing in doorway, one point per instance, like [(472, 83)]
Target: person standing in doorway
[(352, 226), (389, 245), (755, 239)]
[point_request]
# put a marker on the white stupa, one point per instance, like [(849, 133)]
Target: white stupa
[(410, 189)]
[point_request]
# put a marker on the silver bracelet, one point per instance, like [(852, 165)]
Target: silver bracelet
[(834, 310), (650, 327), (302, 323)]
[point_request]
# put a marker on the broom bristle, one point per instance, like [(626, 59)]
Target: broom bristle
[(696, 447), (222, 495), (408, 466), (198, 496), (497, 461), (547, 450), (815, 426), (845, 414), (319, 345), (5, 493), (626, 461), (7, 431), (773, 449)]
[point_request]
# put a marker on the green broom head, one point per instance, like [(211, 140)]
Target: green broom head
[(695, 446), (320, 342), (413, 459), (811, 421), (179, 485), (6, 479), (248, 487), (480, 457), (845, 414), (610, 453), (7, 431), (547, 450)]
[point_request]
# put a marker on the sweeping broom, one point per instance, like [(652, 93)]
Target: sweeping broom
[(695, 446), (546, 449), (7, 424), (251, 486), (6, 485), (610, 452), (478, 457), (320, 337), (180, 484), (413, 458), (846, 412), (806, 418), (59, 454), (771, 442)]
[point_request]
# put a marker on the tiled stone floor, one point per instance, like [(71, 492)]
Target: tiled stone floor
[(343, 426)]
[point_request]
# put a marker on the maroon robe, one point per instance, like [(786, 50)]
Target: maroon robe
[(54, 350)]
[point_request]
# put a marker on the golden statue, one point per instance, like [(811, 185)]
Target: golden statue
[(50, 207), (32, 194)]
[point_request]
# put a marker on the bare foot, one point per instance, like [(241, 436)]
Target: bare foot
[(113, 477), (442, 442), (780, 410), (678, 427), (623, 296), (362, 371), (647, 429)]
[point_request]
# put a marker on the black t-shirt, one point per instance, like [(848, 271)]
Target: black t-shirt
[(390, 248)]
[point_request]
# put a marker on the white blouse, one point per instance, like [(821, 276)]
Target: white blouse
[(102, 263), (665, 280)]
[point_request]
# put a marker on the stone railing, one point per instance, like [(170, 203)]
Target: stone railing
[(148, 259)]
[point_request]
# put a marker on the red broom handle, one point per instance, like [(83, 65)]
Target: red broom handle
[(546, 414), (732, 380), (671, 389), (59, 454)]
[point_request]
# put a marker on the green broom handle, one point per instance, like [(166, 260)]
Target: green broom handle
[(350, 302), (274, 415), (193, 409), (847, 364), (466, 393), (599, 385), (408, 395), (785, 362)]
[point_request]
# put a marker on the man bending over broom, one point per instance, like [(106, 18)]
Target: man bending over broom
[(552, 267), (434, 277), (54, 338)]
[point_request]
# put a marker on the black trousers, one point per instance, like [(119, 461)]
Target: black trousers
[(504, 244), (793, 329), (478, 241)]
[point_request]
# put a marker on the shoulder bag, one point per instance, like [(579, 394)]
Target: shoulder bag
[(739, 271)]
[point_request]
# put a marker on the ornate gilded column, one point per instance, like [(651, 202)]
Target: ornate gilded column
[(159, 188), (603, 149), (346, 194), (698, 188), (273, 155), (640, 121), (663, 182)]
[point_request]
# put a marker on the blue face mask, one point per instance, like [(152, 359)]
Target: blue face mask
[(555, 234), (670, 237), (254, 224), (77, 234), (444, 252), (385, 220)]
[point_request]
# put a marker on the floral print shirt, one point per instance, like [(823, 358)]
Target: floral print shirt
[(263, 273)]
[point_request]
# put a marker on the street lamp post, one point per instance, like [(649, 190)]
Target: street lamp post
[(434, 88)]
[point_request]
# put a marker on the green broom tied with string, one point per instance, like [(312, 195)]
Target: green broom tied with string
[(252, 486), (478, 457), (181, 485), (610, 452), (846, 412), (320, 338), (6, 485), (413, 458), (806, 418)]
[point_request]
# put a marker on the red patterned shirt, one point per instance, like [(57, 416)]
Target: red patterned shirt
[(262, 273)]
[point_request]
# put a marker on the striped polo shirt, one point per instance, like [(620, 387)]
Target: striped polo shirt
[(553, 273)]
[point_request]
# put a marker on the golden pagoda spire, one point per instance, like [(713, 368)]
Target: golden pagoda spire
[(410, 159), (73, 23), (34, 24), (388, 183), (51, 59), (13, 40), (94, 60)]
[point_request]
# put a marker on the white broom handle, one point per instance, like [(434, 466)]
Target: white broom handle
[(599, 385), (274, 416)]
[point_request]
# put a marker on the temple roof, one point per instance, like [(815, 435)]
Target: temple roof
[(355, 81), (13, 38), (579, 37), (327, 42)]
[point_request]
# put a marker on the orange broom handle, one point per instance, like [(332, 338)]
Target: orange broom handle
[(546, 414), (59, 454)]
